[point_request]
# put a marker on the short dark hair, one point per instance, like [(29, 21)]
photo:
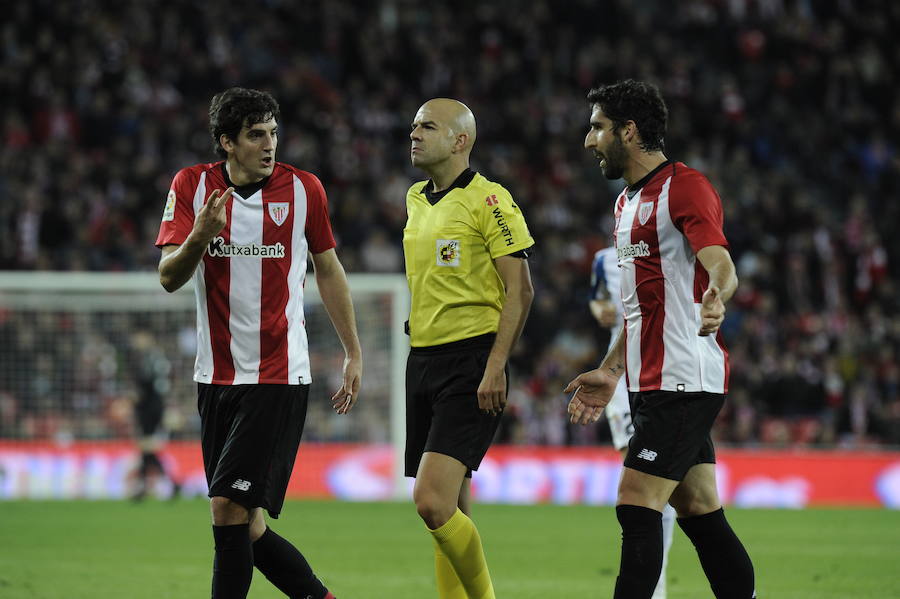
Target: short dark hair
[(636, 101), (231, 109)]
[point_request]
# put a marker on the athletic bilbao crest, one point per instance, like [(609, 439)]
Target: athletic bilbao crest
[(447, 252), (278, 211), (644, 212)]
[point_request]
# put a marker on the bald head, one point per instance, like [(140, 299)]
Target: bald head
[(452, 114), (442, 137)]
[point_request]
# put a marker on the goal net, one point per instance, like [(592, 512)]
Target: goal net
[(75, 346)]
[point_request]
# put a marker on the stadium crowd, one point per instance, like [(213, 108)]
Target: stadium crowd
[(790, 107)]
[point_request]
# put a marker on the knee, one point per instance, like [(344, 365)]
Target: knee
[(432, 508), (694, 504), (226, 512), (257, 525), (633, 493)]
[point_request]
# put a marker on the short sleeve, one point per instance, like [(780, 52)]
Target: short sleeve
[(503, 224), (318, 225), (178, 214), (696, 211), (598, 278)]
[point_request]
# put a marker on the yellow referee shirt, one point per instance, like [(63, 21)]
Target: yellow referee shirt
[(450, 241)]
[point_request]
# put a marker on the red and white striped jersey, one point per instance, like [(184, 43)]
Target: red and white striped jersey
[(249, 284), (659, 230)]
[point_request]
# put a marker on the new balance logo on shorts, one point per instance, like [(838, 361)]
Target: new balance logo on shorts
[(244, 485), (646, 454)]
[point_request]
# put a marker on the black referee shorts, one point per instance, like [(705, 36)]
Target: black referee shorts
[(442, 413), (672, 431), (250, 435)]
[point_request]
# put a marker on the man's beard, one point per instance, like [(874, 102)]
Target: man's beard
[(615, 159)]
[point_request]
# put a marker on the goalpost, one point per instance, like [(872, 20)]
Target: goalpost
[(67, 355)]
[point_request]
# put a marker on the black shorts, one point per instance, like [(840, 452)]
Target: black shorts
[(672, 431), (442, 413), (250, 435)]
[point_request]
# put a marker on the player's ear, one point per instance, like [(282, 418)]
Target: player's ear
[(226, 143), (630, 131), (462, 140)]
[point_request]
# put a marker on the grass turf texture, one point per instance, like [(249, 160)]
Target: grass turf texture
[(162, 550)]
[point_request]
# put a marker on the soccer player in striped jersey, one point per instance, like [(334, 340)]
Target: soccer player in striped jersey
[(606, 308), (470, 286), (676, 276), (242, 229)]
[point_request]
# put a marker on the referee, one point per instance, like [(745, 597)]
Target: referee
[(465, 246)]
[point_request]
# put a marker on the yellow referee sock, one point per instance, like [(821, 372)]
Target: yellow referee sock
[(458, 539), (448, 583)]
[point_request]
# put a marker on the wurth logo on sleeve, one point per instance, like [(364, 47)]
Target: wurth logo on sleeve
[(504, 228)]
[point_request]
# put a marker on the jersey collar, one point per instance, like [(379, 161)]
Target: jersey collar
[(245, 191), (461, 181), (631, 190)]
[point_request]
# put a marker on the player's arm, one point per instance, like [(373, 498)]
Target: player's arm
[(601, 304), (335, 292), (602, 307), (516, 278), (604, 312), (594, 389), (178, 262), (723, 282)]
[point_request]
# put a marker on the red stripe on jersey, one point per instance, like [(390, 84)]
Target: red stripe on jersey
[(278, 206), (650, 285), (217, 277), (701, 281), (318, 226)]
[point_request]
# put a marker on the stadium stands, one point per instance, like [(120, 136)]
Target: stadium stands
[(790, 107)]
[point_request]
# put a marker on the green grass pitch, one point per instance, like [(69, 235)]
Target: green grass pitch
[(159, 550)]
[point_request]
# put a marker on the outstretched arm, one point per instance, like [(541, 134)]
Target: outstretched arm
[(335, 292), (516, 278), (594, 389)]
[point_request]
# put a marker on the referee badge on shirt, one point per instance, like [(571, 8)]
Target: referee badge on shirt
[(278, 211), (448, 252)]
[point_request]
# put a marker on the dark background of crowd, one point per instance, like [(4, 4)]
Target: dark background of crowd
[(790, 107)]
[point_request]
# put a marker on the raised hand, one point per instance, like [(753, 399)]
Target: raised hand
[(211, 218), (712, 311)]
